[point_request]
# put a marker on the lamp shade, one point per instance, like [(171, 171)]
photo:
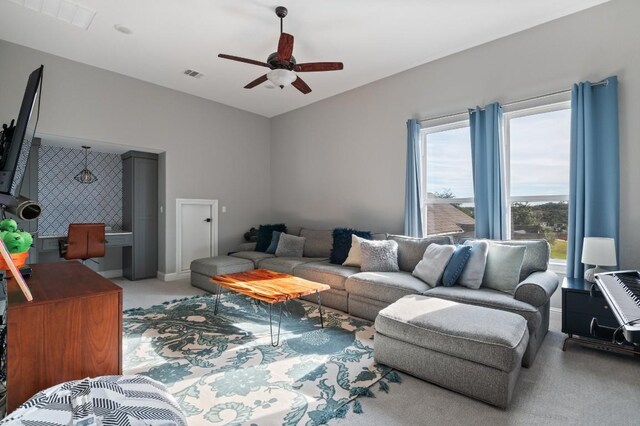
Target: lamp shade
[(281, 77), (599, 251)]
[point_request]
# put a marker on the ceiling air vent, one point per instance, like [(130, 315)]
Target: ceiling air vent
[(193, 73)]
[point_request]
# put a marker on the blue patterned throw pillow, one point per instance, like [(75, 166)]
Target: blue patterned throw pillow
[(342, 243), (265, 234), (274, 242), (456, 265)]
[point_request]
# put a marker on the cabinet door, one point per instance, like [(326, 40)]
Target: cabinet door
[(145, 218)]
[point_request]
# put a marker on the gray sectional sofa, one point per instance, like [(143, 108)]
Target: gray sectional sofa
[(364, 294)]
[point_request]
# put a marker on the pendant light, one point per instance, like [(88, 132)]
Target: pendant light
[(85, 176)]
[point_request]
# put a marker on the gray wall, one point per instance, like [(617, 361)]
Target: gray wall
[(212, 151), (341, 161), (65, 201)]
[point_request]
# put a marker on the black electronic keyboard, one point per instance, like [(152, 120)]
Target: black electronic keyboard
[(622, 291)]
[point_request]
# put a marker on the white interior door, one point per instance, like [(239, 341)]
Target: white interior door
[(197, 231)]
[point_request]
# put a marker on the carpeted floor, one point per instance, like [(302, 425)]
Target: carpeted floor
[(581, 386)]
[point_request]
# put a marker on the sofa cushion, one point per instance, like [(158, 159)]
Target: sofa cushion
[(433, 263), (536, 255), (490, 299), (503, 267), (486, 336), (265, 234), (379, 256), (290, 246), (326, 273), (284, 264), (254, 256), (411, 250), (473, 272), (342, 243), (384, 286), (318, 242)]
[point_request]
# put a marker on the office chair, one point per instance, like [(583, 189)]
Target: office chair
[(84, 241)]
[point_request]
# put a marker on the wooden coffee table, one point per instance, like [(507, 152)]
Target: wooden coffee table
[(270, 287)]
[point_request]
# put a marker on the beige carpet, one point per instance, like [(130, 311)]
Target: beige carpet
[(582, 386)]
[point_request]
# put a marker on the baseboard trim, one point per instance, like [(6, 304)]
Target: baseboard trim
[(113, 273), (173, 276)]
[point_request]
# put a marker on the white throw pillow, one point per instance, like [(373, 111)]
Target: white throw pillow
[(435, 260), (354, 258), (473, 272)]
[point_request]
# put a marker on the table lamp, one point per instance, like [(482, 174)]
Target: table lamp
[(598, 251)]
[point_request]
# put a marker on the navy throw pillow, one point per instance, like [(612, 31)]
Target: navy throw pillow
[(456, 265), (265, 234), (275, 239), (342, 243)]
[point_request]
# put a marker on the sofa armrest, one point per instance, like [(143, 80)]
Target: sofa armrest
[(537, 288), (246, 247)]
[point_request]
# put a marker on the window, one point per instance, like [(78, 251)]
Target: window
[(448, 182), (537, 144)]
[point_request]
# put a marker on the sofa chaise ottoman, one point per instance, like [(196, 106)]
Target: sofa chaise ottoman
[(203, 269), (473, 350)]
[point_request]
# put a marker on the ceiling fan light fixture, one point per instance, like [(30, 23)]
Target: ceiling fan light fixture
[(281, 77)]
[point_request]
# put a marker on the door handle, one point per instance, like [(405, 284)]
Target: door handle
[(208, 219)]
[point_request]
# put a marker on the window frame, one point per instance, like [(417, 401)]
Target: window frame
[(558, 104), (452, 123)]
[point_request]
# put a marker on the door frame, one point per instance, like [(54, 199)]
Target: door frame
[(180, 202)]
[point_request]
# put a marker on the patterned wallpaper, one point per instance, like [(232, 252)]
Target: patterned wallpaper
[(64, 200)]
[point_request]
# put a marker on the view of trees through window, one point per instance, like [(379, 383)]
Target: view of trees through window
[(537, 147)]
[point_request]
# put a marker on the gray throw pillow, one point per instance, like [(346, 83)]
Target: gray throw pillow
[(503, 267), (473, 272), (379, 256), (435, 260), (411, 250), (290, 246)]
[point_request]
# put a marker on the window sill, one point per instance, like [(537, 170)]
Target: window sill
[(558, 266)]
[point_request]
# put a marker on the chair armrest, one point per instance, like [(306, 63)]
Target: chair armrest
[(247, 247), (537, 288)]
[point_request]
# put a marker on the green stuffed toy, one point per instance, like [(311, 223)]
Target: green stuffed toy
[(16, 241), (9, 225)]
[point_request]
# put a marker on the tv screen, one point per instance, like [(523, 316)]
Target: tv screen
[(14, 152)]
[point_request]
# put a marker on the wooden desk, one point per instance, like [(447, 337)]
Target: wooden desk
[(71, 330)]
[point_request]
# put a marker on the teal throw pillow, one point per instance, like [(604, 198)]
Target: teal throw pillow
[(274, 242), (456, 265)]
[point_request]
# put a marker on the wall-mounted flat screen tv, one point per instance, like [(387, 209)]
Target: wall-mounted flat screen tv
[(14, 150)]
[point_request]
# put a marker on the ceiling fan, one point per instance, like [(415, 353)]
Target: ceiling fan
[(282, 63)]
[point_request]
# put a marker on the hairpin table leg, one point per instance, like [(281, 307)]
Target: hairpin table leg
[(320, 309), (277, 342), (215, 307)]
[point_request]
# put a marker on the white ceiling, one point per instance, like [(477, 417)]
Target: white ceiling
[(374, 39)]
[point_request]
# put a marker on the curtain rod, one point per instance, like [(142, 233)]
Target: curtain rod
[(533, 98)]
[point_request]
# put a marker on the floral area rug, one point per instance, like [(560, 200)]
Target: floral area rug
[(222, 369)]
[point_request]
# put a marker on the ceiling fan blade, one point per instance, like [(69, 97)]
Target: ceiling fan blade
[(318, 66), (301, 85), (257, 81), (285, 47), (245, 60)]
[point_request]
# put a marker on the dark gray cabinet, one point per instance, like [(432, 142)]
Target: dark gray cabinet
[(140, 214)]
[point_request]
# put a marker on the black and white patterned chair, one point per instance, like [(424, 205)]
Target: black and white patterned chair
[(107, 400)]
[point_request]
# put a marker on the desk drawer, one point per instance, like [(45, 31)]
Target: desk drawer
[(119, 240), (49, 244)]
